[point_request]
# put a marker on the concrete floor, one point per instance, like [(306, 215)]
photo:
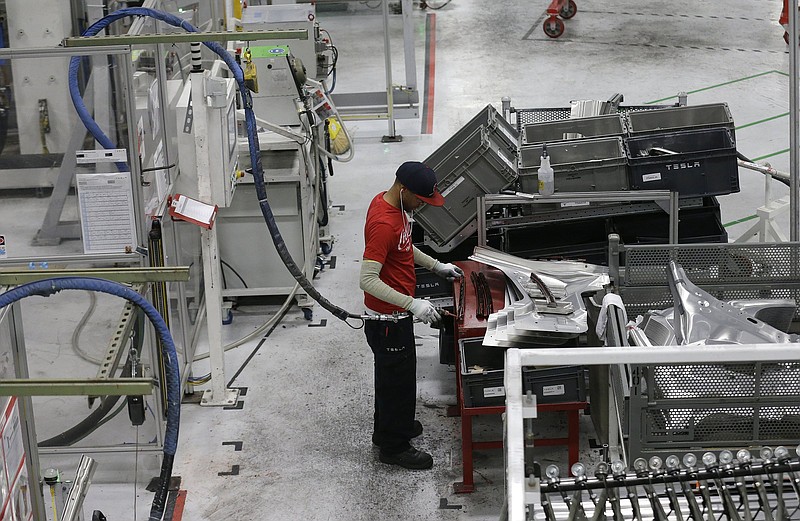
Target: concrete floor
[(306, 419)]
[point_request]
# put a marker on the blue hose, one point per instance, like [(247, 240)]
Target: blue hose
[(48, 287)]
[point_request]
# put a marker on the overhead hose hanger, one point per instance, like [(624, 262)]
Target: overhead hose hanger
[(255, 155), (47, 287)]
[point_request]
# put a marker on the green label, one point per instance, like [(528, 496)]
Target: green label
[(269, 51)]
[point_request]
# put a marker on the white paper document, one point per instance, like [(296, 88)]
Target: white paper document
[(107, 218)]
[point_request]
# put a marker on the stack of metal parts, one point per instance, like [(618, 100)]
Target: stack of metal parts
[(740, 488), (712, 405), (483, 295), (545, 307)]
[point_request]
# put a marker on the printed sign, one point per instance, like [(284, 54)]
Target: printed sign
[(490, 392), (553, 390)]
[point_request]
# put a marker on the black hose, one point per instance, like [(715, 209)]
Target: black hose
[(745, 158), (164, 479), (323, 195), (89, 424)]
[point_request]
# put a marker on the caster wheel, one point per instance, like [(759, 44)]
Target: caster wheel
[(326, 248), (308, 314), (569, 10), (553, 27), (319, 267)]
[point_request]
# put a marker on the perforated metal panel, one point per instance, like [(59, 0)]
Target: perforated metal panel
[(780, 380), (702, 381), (700, 407), (542, 115), (528, 116), (714, 264), (727, 271), (715, 427)]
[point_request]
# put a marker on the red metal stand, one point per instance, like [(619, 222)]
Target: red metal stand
[(471, 327)]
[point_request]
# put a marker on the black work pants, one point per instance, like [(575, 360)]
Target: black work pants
[(395, 354)]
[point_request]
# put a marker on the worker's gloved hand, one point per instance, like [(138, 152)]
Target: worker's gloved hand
[(425, 311), (447, 271)]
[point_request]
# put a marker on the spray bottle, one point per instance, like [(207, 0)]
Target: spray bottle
[(545, 173)]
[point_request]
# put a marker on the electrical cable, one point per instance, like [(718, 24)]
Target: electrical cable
[(155, 254), (180, 64), (47, 287), (335, 55), (336, 115), (155, 168), (323, 195), (234, 272), (111, 416), (278, 317), (436, 5), (76, 335)]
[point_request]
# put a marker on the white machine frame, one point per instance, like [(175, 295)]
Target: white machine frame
[(522, 492)]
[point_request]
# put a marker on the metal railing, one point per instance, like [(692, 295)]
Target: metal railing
[(523, 492)]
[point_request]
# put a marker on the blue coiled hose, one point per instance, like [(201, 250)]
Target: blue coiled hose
[(252, 138), (48, 287)]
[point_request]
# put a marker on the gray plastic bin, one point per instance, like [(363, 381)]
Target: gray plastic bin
[(580, 165), (575, 128), (479, 159), (713, 115), (703, 163)]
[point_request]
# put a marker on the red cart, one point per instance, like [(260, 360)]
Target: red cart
[(553, 26)]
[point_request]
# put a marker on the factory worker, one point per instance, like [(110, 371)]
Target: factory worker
[(388, 280)]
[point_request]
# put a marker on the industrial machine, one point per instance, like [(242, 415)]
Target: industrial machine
[(314, 52), (222, 140), (176, 147)]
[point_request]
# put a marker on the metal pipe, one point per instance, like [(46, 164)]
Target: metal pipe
[(764, 169), (113, 258), (25, 404), (674, 212), (506, 105), (83, 479), (794, 153), (408, 45), (388, 64)]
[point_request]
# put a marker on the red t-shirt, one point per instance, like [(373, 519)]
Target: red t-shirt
[(388, 241)]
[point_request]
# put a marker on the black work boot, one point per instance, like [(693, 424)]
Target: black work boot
[(410, 459)]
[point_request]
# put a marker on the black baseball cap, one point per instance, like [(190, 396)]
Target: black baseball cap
[(421, 181)]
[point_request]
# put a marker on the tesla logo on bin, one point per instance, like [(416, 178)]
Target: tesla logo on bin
[(682, 166)]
